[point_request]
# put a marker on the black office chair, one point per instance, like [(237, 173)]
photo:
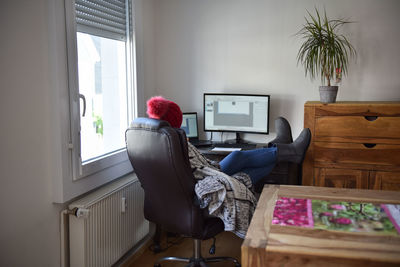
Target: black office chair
[(159, 156)]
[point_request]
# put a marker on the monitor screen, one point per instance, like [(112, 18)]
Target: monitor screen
[(236, 113), (189, 124)]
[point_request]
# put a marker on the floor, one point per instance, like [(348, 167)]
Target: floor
[(227, 244)]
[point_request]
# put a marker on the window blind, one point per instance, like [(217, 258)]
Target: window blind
[(104, 18)]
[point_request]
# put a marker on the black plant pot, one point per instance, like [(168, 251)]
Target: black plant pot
[(328, 94)]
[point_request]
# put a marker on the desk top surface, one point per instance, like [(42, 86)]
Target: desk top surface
[(208, 150), (290, 245)]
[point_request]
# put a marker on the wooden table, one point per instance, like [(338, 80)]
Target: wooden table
[(276, 245)]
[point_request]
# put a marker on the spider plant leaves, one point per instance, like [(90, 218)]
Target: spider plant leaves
[(324, 49)]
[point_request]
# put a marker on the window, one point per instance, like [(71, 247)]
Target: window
[(100, 82)]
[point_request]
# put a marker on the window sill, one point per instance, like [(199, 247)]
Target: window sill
[(66, 189)]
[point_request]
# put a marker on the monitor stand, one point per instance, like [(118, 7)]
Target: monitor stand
[(238, 140)]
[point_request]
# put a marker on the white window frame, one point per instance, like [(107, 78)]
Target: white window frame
[(111, 160)]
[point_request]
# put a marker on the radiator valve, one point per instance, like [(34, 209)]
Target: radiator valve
[(82, 213)]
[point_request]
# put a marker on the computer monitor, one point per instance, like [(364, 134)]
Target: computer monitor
[(189, 124), (240, 113)]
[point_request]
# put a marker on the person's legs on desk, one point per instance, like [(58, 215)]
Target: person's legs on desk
[(256, 174), (258, 163), (283, 132), (256, 158)]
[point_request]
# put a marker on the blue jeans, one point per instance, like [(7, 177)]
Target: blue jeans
[(257, 163)]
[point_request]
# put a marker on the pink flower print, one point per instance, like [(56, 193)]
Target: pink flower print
[(291, 211), (329, 214), (338, 75), (341, 220), (338, 207), (290, 221)]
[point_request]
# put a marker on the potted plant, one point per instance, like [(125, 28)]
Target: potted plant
[(325, 52)]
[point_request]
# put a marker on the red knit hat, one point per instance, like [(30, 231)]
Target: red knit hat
[(162, 109)]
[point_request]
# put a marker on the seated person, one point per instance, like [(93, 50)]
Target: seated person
[(256, 163), (225, 187)]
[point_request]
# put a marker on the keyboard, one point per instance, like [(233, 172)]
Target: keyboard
[(242, 146)]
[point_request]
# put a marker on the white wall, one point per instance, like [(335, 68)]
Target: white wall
[(249, 47), (34, 135), (145, 47), (29, 225)]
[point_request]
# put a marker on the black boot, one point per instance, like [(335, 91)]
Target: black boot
[(283, 132), (295, 151)]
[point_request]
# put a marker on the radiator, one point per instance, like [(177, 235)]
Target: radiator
[(108, 223)]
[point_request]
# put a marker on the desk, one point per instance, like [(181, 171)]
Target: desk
[(219, 155), (276, 245)]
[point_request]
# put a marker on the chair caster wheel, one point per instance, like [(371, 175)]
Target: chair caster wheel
[(212, 250), (157, 249)]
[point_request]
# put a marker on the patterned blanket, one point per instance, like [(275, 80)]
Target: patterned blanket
[(226, 197)]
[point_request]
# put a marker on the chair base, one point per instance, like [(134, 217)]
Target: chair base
[(197, 262), (197, 259)]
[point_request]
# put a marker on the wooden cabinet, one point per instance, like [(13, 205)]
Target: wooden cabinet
[(343, 178), (353, 145), (384, 180)]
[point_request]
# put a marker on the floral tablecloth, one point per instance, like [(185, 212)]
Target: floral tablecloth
[(339, 216)]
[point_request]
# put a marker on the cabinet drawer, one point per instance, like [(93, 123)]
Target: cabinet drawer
[(384, 180), (355, 127), (354, 153), (341, 178)]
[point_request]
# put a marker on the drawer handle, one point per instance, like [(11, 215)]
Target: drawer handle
[(371, 118), (368, 145)]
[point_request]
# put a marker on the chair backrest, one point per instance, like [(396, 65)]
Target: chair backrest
[(159, 156)]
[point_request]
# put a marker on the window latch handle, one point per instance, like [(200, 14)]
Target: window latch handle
[(81, 96)]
